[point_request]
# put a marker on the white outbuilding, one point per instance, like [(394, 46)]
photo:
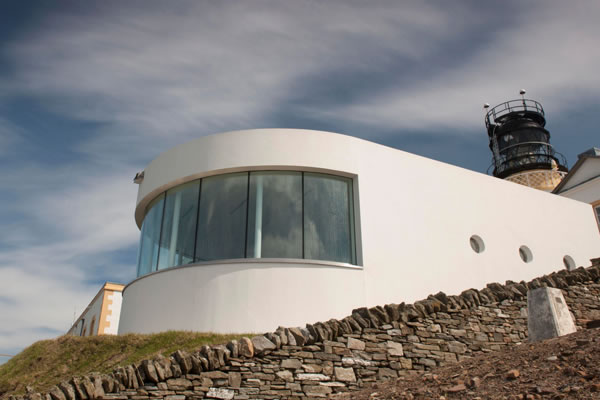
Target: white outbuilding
[(583, 181)]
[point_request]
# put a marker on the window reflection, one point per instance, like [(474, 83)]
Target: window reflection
[(222, 217), (275, 215), (327, 218)]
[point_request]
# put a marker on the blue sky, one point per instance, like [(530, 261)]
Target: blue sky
[(90, 92)]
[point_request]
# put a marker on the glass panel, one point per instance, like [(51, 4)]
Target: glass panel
[(275, 215), (328, 222), (148, 254), (179, 226), (598, 213), (222, 217)]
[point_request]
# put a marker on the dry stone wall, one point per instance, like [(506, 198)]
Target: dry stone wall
[(326, 358)]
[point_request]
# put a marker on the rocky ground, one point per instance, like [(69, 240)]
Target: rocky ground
[(562, 368)]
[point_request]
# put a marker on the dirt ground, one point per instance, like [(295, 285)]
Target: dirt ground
[(562, 368)]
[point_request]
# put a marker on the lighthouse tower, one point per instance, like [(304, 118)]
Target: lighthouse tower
[(520, 145)]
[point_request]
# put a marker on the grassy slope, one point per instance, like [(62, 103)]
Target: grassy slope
[(48, 362)]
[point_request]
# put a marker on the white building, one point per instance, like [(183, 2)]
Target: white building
[(101, 316), (583, 181), (244, 231)]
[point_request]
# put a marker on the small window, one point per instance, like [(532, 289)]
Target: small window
[(597, 208), (477, 244), (569, 263), (525, 254), (92, 326)]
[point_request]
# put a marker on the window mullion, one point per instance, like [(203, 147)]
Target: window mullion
[(197, 220), (162, 221)]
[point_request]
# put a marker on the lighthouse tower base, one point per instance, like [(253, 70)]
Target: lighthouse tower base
[(542, 179)]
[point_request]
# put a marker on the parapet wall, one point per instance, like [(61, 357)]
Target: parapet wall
[(326, 358)]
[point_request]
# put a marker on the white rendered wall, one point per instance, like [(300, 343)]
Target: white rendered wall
[(414, 220)]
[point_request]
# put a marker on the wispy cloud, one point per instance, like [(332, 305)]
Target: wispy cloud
[(9, 137), (184, 70)]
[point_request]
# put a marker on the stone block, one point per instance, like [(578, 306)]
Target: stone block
[(56, 393), (312, 377), (316, 390), (344, 374), (291, 363), (285, 375), (291, 338), (457, 347), (327, 368), (262, 344), (394, 349), (234, 348), (184, 360), (386, 373), (220, 393), (150, 371), (347, 361), (326, 356), (179, 384), (235, 379), (312, 368), (355, 344), (246, 348), (214, 375), (68, 390), (548, 313), (427, 362)]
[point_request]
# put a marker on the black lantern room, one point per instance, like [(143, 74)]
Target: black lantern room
[(518, 140)]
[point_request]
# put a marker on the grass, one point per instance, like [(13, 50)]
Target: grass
[(49, 362)]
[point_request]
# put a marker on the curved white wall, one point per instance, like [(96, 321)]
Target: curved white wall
[(414, 220), (240, 297)]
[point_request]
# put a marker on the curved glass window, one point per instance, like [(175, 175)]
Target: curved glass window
[(262, 214)]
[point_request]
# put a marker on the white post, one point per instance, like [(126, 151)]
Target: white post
[(258, 215), (174, 229), (548, 315)]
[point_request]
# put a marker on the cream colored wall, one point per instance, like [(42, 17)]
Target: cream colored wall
[(588, 192), (414, 220), (585, 186), (111, 312)]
